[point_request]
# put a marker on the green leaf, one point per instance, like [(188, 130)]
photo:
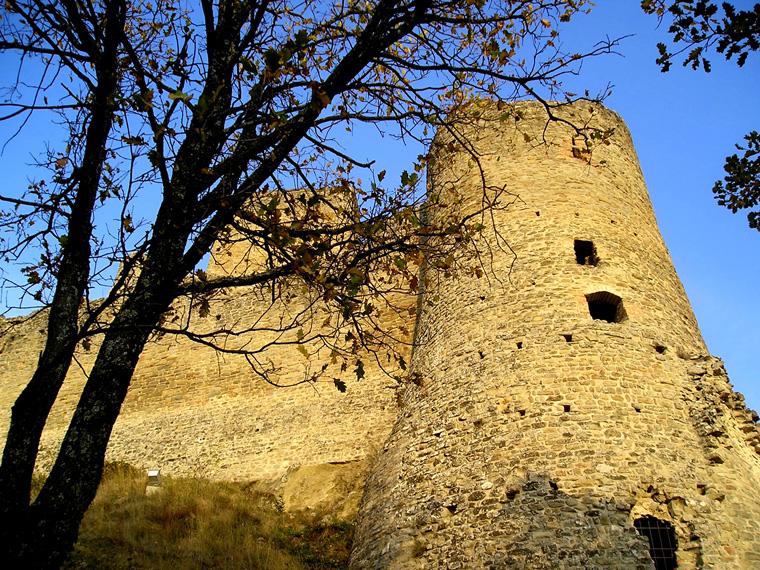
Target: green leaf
[(248, 65), (409, 179), (301, 38), (133, 140), (272, 59), (180, 95)]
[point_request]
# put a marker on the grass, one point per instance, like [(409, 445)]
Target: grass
[(193, 523)]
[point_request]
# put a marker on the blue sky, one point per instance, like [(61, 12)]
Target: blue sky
[(683, 124)]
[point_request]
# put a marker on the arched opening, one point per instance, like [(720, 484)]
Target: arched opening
[(605, 306), (662, 541)]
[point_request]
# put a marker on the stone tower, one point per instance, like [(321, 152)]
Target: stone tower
[(566, 412)]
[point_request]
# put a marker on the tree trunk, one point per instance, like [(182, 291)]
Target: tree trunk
[(31, 409), (47, 531), (43, 534)]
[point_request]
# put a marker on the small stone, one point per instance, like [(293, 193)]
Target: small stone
[(485, 485)]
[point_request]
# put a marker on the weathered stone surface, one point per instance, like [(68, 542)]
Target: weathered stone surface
[(582, 425), (192, 411), (332, 489), (533, 435)]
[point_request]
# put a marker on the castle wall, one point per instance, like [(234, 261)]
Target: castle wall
[(537, 434), (532, 435), (195, 411)]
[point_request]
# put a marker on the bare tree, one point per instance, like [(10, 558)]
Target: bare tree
[(214, 111)]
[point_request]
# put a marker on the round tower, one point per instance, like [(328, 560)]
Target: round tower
[(565, 411)]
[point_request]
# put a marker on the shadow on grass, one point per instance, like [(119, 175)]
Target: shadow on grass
[(194, 523)]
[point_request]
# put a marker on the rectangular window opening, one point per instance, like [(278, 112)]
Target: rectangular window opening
[(606, 306), (585, 252)]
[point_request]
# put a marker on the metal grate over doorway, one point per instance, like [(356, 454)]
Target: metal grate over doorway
[(662, 541)]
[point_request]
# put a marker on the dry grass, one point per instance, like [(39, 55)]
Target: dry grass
[(194, 523)]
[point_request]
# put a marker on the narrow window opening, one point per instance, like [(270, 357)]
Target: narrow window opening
[(585, 252), (566, 407), (568, 337), (519, 345), (604, 306), (662, 541)]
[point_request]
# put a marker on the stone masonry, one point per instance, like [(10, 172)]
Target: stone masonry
[(561, 395), (567, 394), (193, 411)]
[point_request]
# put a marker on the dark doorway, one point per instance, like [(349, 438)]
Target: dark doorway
[(662, 541)]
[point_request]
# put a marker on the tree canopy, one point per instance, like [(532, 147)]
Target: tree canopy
[(698, 28), (187, 125)]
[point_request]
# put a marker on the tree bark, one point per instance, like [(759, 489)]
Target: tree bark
[(33, 406), (50, 529), (42, 535)]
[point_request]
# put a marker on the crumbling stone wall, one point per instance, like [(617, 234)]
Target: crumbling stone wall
[(193, 411), (535, 434), (531, 436)]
